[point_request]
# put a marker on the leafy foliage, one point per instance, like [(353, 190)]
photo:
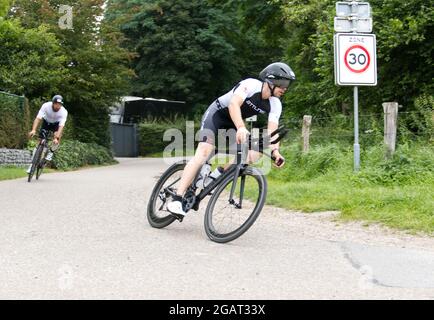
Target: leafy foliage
[(182, 53), (92, 74), (421, 121), (4, 7), (31, 60), (151, 133), (411, 164), (14, 117), (74, 154), (404, 45)]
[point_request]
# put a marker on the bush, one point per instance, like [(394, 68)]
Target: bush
[(151, 133), (91, 124), (13, 121), (411, 164), (319, 160), (74, 154), (419, 123)]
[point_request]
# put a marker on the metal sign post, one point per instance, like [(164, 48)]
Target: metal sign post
[(355, 55), (356, 130)]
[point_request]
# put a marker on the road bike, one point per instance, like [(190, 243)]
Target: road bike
[(229, 213)]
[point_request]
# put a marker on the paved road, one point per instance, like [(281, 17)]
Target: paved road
[(84, 235)]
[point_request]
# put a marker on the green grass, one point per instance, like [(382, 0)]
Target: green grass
[(13, 172), (398, 193), (403, 207)]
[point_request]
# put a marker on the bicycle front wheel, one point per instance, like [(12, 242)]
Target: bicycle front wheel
[(227, 220), (39, 169), (35, 162), (41, 165)]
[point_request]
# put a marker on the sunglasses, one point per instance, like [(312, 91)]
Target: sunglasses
[(281, 83)]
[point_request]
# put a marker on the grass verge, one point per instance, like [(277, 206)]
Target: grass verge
[(408, 207), (397, 192), (14, 172)]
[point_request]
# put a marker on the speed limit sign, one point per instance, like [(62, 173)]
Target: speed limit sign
[(355, 59)]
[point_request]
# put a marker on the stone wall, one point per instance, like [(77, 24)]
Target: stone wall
[(15, 157)]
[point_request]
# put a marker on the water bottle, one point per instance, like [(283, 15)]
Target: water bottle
[(204, 173), (214, 175)]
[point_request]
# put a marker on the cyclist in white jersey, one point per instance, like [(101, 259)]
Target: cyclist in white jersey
[(249, 97), (53, 116)]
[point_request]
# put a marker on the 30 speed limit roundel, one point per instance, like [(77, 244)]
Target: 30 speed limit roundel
[(355, 59)]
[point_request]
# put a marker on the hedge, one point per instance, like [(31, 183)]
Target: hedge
[(151, 135), (14, 117), (74, 154)]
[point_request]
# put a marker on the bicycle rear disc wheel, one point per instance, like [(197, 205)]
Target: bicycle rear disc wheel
[(157, 214), (35, 162), (224, 221)]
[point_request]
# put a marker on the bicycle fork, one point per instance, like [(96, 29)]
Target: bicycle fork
[(231, 197), (241, 157)]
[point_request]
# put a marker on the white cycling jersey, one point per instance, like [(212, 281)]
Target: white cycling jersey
[(46, 112), (251, 91)]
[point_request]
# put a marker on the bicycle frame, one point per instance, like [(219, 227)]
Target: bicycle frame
[(235, 169), (45, 140), (238, 168)]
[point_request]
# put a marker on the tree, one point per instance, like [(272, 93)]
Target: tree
[(31, 60), (96, 65), (181, 50), (256, 31), (404, 46), (4, 7)]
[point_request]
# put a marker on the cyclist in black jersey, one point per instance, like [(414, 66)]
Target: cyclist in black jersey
[(249, 97)]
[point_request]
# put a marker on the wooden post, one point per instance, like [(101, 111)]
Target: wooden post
[(305, 133), (390, 126)]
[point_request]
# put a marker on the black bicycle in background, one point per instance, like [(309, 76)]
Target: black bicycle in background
[(39, 162), (228, 214)]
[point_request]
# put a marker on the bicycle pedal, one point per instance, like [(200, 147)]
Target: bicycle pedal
[(178, 217)]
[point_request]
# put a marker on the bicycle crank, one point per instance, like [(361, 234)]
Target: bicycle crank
[(188, 200)]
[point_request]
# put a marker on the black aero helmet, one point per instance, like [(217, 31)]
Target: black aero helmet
[(57, 98), (278, 73)]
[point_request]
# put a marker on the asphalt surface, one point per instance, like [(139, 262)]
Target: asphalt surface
[(84, 235)]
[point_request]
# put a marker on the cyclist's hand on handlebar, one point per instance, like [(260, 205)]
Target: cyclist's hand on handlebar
[(279, 160), (242, 133), (32, 133), (56, 138)]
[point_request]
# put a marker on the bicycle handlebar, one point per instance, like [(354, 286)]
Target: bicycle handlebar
[(263, 142), (44, 134), (260, 143)]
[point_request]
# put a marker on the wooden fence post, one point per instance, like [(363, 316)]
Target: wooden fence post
[(305, 133), (390, 126)]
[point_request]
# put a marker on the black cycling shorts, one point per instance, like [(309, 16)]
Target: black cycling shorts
[(48, 126), (216, 124)]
